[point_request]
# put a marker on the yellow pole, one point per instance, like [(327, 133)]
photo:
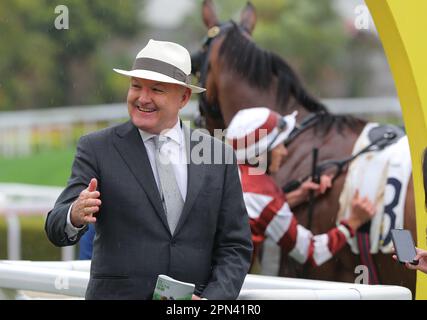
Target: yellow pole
[(401, 26)]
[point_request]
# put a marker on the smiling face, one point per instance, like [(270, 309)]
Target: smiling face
[(153, 106)]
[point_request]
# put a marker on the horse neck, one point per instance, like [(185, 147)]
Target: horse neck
[(234, 94), (302, 113)]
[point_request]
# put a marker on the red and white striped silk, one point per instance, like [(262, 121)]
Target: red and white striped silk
[(270, 216)]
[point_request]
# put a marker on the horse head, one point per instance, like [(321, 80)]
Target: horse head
[(204, 61), (238, 74)]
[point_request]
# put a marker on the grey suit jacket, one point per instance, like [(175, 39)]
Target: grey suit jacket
[(211, 246)]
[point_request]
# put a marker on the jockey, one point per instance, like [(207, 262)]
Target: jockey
[(257, 136)]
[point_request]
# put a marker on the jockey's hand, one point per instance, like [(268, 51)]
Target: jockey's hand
[(325, 184), (86, 205), (421, 257), (362, 210), (302, 194)]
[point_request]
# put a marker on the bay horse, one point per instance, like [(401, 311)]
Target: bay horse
[(239, 74)]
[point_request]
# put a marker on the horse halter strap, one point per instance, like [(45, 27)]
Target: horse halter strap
[(208, 108), (306, 123)]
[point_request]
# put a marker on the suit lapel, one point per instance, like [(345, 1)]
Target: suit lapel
[(129, 144), (195, 180)]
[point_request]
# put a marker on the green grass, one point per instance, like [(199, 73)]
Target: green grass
[(34, 242), (51, 167)]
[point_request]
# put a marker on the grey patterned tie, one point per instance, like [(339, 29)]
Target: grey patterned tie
[(169, 192)]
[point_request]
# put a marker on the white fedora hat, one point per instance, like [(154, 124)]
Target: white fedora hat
[(165, 62), (253, 131)]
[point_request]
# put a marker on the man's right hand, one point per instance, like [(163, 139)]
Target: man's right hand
[(86, 205)]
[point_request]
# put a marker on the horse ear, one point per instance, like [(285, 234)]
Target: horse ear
[(248, 17), (209, 14)]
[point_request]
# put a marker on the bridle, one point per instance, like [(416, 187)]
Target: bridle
[(306, 123), (210, 108)]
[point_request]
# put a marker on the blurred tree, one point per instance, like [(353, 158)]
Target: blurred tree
[(41, 66), (310, 35)]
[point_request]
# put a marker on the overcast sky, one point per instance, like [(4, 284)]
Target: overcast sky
[(167, 13)]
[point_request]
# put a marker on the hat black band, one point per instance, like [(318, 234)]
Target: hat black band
[(163, 68)]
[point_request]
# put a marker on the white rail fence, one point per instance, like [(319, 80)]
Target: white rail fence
[(22, 132), (17, 200), (71, 278)]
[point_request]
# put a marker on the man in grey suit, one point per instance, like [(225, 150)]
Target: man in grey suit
[(191, 224)]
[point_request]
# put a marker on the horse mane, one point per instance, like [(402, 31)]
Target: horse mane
[(259, 67)]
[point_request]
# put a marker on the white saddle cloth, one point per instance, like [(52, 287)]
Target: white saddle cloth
[(383, 176)]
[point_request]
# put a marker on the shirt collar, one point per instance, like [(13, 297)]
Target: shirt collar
[(174, 133)]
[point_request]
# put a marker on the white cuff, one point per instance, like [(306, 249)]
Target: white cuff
[(344, 230), (71, 230)]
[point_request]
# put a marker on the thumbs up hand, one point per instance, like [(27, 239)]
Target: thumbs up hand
[(86, 205)]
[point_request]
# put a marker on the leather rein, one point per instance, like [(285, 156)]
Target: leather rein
[(340, 164)]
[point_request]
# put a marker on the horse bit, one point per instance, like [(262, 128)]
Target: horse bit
[(201, 58)]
